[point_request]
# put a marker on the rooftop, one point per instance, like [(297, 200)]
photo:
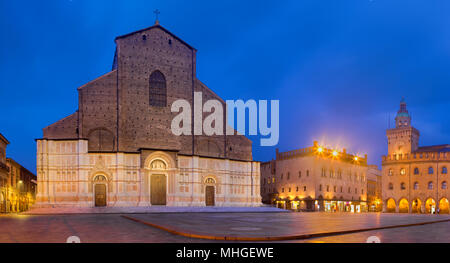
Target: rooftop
[(434, 148), (322, 151), (3, 138)]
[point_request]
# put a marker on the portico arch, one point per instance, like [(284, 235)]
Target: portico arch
[(430, 206), (443, 206), (416, 206), (390, 205), (403, 206)]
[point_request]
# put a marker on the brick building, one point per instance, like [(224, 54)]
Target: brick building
[(17, 184), (316, 179), (374, 189), (415, 178), (118, 149), (4, 171)]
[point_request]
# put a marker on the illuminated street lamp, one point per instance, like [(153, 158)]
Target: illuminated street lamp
[(320, 150), (335, 153)]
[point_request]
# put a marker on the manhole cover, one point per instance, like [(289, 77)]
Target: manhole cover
[(245, 228)]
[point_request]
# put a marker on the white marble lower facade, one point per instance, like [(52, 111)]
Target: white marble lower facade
[(69, 176)]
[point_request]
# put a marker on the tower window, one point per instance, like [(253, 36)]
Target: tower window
[(416, 170), (430, 186), (430, 170), (444, 170)]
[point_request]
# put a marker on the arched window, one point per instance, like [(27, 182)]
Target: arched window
[(430, 186), (444, 185), (416, 170), (158, 90), (430, 170), (416, 186), (444, 170), (391, 186), (391, 172), (402, 171), (402, 186)]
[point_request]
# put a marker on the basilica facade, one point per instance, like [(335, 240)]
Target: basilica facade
[(117, 148), (415, 178)]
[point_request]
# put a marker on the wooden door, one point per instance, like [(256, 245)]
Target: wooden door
[(100, 195), (158, 189), (209, 195)]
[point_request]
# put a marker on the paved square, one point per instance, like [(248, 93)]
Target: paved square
[(115, 228)]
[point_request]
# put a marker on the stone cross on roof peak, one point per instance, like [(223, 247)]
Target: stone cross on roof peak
[(156, 12)]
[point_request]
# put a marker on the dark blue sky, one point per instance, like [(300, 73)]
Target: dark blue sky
[(337, 67)]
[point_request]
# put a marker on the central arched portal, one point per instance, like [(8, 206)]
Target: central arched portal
[(158, 189), (100, 195)]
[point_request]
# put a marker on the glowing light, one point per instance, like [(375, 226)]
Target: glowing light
[(356, 158), (335, 153), (320, 149)]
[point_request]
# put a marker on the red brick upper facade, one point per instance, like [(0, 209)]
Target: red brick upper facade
[(115, 110)]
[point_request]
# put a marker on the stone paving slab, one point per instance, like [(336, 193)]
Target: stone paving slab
[(113, 228), (279, 224), (433, 233), (90, 228), (151, 209)]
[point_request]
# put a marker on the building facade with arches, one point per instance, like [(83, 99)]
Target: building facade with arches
[(118, 148), (415, 178), (317, 178)]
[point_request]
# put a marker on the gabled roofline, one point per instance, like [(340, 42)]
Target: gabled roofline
[(68, 116), (96, 79), (160, 27), (3, 138)]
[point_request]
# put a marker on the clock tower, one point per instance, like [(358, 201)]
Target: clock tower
[(403, 138)]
